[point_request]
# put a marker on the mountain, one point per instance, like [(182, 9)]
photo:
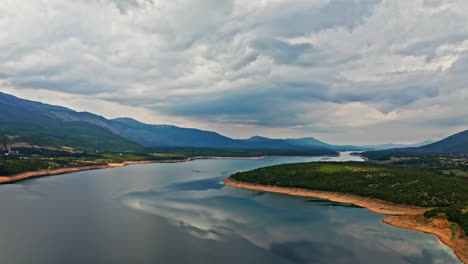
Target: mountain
[(264, 142), (315, 143), (392, 146), (308, 142), (312, 142), (170, 136), (57, 126), (457, 143), (60, 126), (9, 142)]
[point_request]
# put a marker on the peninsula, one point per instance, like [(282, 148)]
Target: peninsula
[(409, 195)]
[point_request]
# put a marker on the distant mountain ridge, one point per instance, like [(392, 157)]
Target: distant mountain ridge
[(309, 141), (169, 136), (457, 143), (57, 126), (63, 126), (299, 142), (392, 146), (66, 127)]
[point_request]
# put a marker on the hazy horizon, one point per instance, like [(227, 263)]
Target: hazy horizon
[(356, 72)]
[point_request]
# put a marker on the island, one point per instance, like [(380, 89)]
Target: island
[(416, 198)]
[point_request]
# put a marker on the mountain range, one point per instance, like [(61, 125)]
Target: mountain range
[(52, 126), (457, 143)]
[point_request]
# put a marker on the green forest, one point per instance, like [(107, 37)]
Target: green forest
[(402, 185)]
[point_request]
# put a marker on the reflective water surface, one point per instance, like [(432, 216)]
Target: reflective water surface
[(182, 213)]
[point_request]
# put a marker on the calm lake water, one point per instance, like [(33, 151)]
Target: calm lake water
[(182, 213)]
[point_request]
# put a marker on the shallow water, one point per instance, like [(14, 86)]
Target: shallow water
[(182, 213)]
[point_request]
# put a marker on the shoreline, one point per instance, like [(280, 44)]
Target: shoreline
[(402, 216), (358, 154), (42, 173)]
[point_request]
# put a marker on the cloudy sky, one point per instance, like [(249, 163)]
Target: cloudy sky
[(344, 71)]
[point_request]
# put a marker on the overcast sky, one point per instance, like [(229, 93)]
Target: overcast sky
[(343, 71)]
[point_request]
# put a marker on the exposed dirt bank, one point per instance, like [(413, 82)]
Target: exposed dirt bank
[(451, 236), (408, 217)]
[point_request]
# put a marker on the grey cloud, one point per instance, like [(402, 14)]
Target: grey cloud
[(73, 86), (452, 121), (246, 60), (400, 96), (275, 104), (125, 5), (306, 18), (4, 75), (269, 105), (433, 3), (428, 47), (281, 51), (460, 66)]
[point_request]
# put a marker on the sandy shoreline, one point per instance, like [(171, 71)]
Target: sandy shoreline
[(374, 205), (40, 173), (403, 216)]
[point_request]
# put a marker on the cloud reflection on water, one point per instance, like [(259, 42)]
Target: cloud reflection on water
[(286, 226)]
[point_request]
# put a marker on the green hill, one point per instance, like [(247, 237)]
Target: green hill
[(457, 143), (454, 144), (410, 186), (34, 120)]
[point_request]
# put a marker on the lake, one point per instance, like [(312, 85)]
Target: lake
[(182, 213)]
